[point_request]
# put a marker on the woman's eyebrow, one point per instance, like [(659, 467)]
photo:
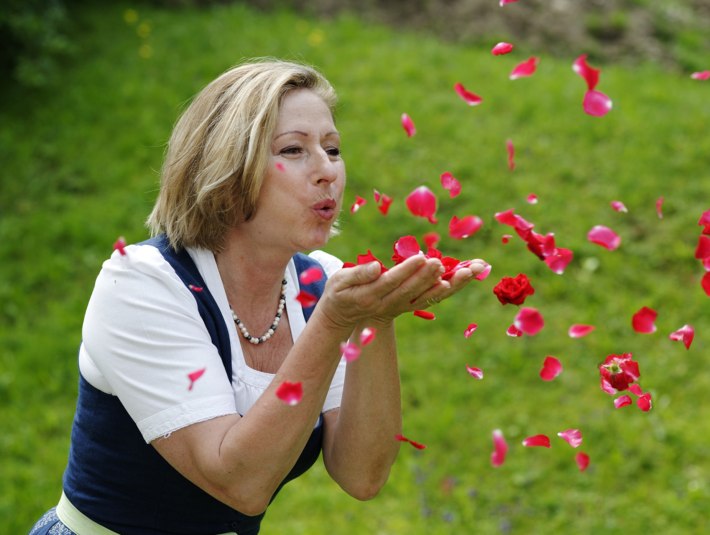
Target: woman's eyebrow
[(305, 134)]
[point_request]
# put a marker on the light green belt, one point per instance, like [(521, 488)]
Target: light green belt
[(81, 524)]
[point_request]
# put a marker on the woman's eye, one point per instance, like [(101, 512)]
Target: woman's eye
[(291, 150), (333, 151)]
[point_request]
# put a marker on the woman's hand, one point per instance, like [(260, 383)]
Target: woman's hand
[(360, 292)]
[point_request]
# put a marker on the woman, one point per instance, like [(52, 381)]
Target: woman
[(188, 336)]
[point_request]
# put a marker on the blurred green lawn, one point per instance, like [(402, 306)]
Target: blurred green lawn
[(80, 166)]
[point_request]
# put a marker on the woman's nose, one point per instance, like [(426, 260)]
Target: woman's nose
[(324, 169)]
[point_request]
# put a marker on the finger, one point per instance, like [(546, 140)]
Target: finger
[(358, 275), (410, 284)]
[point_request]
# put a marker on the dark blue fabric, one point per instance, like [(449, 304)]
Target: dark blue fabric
[(121, 482)]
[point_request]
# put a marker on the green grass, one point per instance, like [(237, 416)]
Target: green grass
[(80, 163)]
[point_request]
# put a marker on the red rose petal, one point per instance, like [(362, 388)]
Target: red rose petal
[(290, 393), (367, 335), (705, 283), (500, 448), (623, 401), (619, 206), (469, 98), (431, 239), (551, 368), (311, 275), (422, 203), (559, 260), (701, 75), (685, 334), (470, 330), (531, 199), (464, 227), (604, 236), (643, 320), (424, 314), (596, 103), (349, 351), (194, 376), (196, 289), (572, 436), (659, 207), (408, 125), (524, 69), (505, 238), (644, 402), (635, 389), (529, 321), (704, 222), (120, 246), (306, 299), (359, 201), (510, 148), (502, 48), (383, 202), (514, 331), (450, 184), (579, 330), (582, 460), (417, 445), (476, 373), (590, 75), (703, 248), (537, 441), (405, 247)]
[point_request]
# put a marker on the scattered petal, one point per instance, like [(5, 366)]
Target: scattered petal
[(476, 373), (578, 330), (596, 103), (469, 98), (483, 275), (529, 320), (513, 331), (194, 376), (306, 299), (417, 445), (369, 257), (350, 351), (704, 222), (120, 246), (619, 206), (506, 2), (590, 75), (511, 154), (643, 320), (470, 330), (685, 334), (531, 199), (505, 238), (659, 207), (551, 368), (537, 440), (311, 275), (500, 448), (359, 201), (526, 68), (559, 260), (513, 290), (383, 202), (422, 203), (367, 335), (450, 184), (705, 283), (623, 401), (582, 460), (604, 236), (644, 402), (701, 75), (290, 393), (703, 248), (431, 239), (408, 125), (196, 289), (502, 48), (425, 314), (572, 436), (405, 247), (460, 229), (635, 389)]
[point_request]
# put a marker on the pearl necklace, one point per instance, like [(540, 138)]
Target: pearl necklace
[(256, 340)]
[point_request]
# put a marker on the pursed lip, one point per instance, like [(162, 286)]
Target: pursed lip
[(325, 208)]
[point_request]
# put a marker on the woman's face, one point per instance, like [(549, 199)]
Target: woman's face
[(302, 192)]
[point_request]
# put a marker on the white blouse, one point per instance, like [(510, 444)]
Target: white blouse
[(145, 342)]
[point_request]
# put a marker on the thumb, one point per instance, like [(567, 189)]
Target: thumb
[(366, 273)]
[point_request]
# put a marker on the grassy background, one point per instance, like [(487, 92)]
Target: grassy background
[(80, 163)]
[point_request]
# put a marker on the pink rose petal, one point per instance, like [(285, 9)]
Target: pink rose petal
[(502, 3), (464, 227), (659, 207), (306, 299), (529, 320), (405, 247), (551, 368), (524, 69), (578, 330), (408, 125), (582, 460), (604, 236), (359, 201), (367, 335), (537, 441), (470, 330), (425, 314), (701, 75), (623, 401), (685, 334), (417, 445), (513, 331), (280, 166), (510, 148), (635, 389), (450, 184), (590, 75), (196, 289), (596, 103), (194, 376), (349, 351), (619, 206), (290, 393), (311, 275), (502, 48), (559, 260), (483, 275), (422, 203), (572, 436), (643, 320), (469, 98), (500, 448), (476, 373)]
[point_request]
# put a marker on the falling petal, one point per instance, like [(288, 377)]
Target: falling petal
[(196, 289), (450, 184), (582, 460), (476, 373), (483, 275), (422, 203), (513, 331), (551, 368), (531, 199), (500, 448), (704, 222), (578, 330), (659, 207), (408, 125), (511, 154), (470, 330), (506, 2), (431, 239), (706, 263), (417, 445), (120, 246), (384, 205), (469, 98), (306, 299), (425, 314), (618, 206), (559, 260), (643, 320), (359, 201), (572, 436), (529, 320), (367, 335), (604, 236), (311, 275), (194, 376), (703, 248), (502, 48), (349, 351), (590, 75), (369, 257), (644, 402), (596, 103), (623, 401), (505, 238), (705, 283), (464, 227), (701, 75), (526, 68), (290, 393), (685, 334), (635, 389), (537, 440)]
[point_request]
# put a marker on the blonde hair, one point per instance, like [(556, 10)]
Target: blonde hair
[(219, 148)]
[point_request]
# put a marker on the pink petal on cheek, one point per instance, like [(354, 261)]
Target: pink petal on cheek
[(310, 275), (659, 207), (537, 441), (194, 376), (422, 203), (367, 336), (529, 321), (450, 184), (290, 393), (279, 166), (622, 401), (470, 330), (417, 445), (596, 103), (469, 98), (424, 314), (701, 75), (551, 368), (464, 227), (349, 351), (619, 206), (685, 334), (582, 460), (306, 299), (502, 48), (500, 448), (580, 330), (524, 69), (643, 321), (408, 125), (476, 373), (572, 436), (510, 148), (604, 236)]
